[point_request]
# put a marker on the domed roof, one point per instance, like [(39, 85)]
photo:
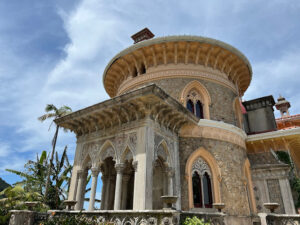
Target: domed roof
[(204, 51)]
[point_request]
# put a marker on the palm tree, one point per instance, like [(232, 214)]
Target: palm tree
[(53, 113)]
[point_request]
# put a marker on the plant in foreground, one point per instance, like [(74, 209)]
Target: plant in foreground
[(195, 221)]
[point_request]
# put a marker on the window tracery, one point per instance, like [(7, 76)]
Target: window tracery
[(202, 186)]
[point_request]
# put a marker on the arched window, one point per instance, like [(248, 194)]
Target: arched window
[(202, 188), (198, 94), (194, 105), (199, 110), (190, 106)]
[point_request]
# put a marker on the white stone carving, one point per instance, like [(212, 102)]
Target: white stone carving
[(201, 167)]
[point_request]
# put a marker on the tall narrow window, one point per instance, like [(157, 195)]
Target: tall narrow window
[(201, 180), (190, 106), (199, 110), (197, 191), (207, 191)]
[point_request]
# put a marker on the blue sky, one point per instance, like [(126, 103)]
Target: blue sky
[(55, 52)]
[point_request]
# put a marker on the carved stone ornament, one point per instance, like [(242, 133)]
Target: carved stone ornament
[(201, 167), (194, 96), (109, 152)]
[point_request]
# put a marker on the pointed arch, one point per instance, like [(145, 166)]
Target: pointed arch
[(215, 171), (107, 150), (204, 96), (163, 152), (247, 173), (238, 112), (87, 161), (127, 154)]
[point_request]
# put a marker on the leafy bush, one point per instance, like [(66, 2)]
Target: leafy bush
[(195, 221)]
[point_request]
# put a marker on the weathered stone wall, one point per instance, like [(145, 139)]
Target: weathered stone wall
[(222, 98), (230, 159)]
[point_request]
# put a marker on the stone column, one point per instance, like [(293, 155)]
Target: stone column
[(126, 178), (83, 186), (143, 177), (95, 172), (79, 188), (107, 192), (104, 179), (170, 174), (118, 190)]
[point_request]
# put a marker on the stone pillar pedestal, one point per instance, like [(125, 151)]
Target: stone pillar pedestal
[(95, 172), (24, 217), (118, 190)]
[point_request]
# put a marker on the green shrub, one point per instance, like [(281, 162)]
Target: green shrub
[(195, 221)]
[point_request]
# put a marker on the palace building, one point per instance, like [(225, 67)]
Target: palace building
[(176, 131)]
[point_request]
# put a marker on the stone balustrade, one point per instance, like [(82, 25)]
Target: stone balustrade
[(279, 219), (122, 217)]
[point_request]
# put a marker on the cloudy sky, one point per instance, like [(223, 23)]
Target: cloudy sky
[(55, 52)]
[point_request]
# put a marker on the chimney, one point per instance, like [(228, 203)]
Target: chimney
[(142, 35)]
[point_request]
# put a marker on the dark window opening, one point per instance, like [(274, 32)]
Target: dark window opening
[(199, 110), (190, 106), (197, 192), (207, 191)]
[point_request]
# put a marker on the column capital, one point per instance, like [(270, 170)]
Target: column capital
[(80, 173), (134, 165), (95, 171), (119, 167)]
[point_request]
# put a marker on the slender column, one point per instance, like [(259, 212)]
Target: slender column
[(107, 192), (118, 190), (170, 181), (126, 178), (104, 179), (79, 188), (95, 172)]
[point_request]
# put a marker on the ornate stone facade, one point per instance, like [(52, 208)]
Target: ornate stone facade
[(147, 142)]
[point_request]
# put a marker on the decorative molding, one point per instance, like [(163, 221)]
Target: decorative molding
[(177, 71), (247, 173), (215, 130)]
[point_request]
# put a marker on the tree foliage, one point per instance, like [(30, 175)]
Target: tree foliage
[(35, 174)]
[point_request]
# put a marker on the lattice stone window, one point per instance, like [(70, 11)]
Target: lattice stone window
[(202, 185), (194, 103)]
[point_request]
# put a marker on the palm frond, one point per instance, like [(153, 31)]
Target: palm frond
[(46, 116), (51, 107), (43, 157)]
